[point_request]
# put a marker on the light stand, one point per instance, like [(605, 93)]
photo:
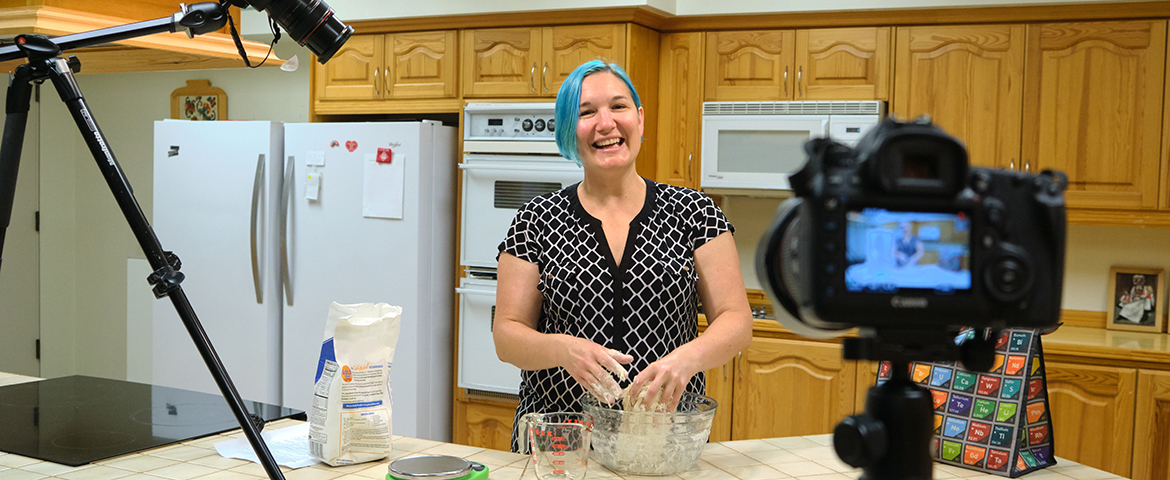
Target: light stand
[(891, 439), (43, 64)]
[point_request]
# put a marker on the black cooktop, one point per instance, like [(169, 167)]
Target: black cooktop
[(77, 420)]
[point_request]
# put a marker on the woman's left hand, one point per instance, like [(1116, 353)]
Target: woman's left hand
[(661, 384)]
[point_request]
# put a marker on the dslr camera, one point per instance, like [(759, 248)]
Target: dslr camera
[(901, 234)]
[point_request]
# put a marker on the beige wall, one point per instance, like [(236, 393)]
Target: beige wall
[(85, 240)]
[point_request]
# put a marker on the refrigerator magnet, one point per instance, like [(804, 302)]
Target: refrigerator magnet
[(351, 145), (385, 155), (312, 185)]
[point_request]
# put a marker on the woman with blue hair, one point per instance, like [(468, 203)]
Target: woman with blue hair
[(599, 283)]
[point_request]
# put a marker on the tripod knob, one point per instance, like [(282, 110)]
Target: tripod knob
[(860, 440)]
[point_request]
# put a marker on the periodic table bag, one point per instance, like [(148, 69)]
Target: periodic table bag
[(996, 422)]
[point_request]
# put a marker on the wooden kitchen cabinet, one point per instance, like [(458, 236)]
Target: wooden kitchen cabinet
[(392, 66), (969, 80), (719, 388), (787, 388), (1151, 445), (533, 62), (484, 424), (817, 64), (680, 106), (1093, 109), (1093, 414)]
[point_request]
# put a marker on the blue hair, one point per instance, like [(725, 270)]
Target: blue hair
[(568, 107)]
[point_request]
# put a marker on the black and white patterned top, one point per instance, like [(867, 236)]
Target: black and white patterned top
[(645, 307)]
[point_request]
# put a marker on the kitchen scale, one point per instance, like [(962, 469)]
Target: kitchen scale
[(436, 467)]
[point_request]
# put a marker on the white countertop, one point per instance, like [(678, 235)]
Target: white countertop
[(804, 458)]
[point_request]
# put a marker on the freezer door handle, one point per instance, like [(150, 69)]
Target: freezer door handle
[(285, 198), (257, 184), (475, 291)]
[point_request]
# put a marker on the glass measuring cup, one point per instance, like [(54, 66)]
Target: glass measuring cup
[(559, 442)]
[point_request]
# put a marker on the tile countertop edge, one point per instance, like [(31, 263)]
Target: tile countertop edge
[(808, 458)]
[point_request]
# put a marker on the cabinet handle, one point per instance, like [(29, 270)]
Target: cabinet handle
[(376, 91), (543, 81), (739, 368), (532, 78), (688, 166), (798, 91), (786, 81), (1012, 164), (1027, 165)]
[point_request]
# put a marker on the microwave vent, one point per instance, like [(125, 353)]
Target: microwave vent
[(794, 108)]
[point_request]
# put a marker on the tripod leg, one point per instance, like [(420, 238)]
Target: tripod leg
[(67, 88), (15, 121)]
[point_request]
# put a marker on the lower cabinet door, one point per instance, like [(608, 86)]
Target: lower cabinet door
[(484, 425), (1093, 414), (786, 388), (1151, 436)]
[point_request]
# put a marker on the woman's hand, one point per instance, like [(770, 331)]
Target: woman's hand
[(594, 367), (660, 385)]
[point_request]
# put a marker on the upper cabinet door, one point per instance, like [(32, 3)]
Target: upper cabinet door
[(843, 64), (355, 72), (1094, 109), (750, 65), (501, 62), (566, 48), (969, 79), (421, 65), (680, 108)]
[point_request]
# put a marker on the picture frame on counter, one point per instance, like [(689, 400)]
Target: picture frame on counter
[(1137, 298)]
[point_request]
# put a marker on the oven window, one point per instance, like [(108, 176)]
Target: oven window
[(761, 151), (513, 195)]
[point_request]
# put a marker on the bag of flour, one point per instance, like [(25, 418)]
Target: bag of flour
[(350, 421)]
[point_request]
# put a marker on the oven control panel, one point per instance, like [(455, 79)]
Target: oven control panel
[(505, 121)]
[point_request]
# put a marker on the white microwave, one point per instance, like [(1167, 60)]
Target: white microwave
[(757, 145)]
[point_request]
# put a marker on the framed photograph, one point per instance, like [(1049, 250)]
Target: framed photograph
[(199, 101), (1137, 299)]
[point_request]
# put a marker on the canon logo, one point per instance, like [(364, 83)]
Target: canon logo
[(908, 302)]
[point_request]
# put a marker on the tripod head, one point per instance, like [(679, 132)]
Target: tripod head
[(898, 413)]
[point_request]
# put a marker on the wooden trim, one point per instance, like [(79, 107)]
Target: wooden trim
[(651, 18), (1083, 318), (1119, 218), (665, 22), (358, 107)]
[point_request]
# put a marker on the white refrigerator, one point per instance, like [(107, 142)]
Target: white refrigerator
[(345, 212)]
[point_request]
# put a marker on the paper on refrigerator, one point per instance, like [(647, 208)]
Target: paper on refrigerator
[(383, 192)]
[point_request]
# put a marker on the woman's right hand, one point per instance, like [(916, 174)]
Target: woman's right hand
[(595, 367)]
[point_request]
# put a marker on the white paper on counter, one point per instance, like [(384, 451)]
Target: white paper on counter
[(382, 194), (315, 158), (312, 185), (289, 446)]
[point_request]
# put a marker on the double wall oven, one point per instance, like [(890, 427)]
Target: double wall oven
[(509, 157)]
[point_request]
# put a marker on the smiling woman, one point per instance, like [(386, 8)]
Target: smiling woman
[(599, 283)]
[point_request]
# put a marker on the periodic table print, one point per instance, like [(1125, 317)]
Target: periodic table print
[(997, 421)]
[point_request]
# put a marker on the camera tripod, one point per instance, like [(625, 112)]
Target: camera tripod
[(891, 440), (44, 63)]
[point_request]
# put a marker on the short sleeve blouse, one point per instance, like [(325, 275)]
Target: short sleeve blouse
[(646, 307)]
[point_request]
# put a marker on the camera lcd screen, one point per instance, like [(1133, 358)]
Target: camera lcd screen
[(890, 251)]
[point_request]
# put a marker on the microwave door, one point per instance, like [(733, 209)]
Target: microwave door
[(755, 151)]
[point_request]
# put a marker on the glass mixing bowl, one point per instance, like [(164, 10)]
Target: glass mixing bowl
[(650, 443)]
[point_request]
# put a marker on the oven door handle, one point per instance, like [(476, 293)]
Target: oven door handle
[(464, 166), (474, 291)]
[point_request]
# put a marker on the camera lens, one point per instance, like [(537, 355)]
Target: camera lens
[(310, 22)]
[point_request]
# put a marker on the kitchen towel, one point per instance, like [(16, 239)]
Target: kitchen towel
[(996, 422)]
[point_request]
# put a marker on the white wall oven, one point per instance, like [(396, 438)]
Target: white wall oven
[(757, 145), (509, 157)]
